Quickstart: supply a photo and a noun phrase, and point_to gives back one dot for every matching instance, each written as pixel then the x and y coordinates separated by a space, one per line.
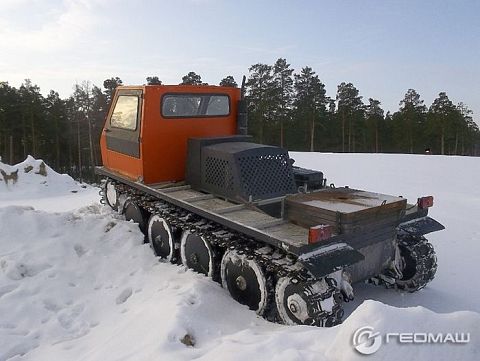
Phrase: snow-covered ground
pixel 77 282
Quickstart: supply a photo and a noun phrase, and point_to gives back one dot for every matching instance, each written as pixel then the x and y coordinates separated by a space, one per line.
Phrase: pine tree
pixel 32 115
pixel 374 118
pixel 228 81
pixel 260 98
pixel 10 123
pixel 443 115
pixel 469 131
pixel 283 94
pixel 351 110
pixel 56 118
pixel 310 101
pixel 410 120
pixel 153 80
pixel 83 100
pixel 192 78
pixel 110 85
pixel 98 114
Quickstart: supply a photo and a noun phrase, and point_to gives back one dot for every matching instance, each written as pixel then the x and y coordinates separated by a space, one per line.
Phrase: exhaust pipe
pixel 242 118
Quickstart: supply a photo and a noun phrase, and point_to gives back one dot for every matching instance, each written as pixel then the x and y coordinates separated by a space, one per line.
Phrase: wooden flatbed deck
pixel 244 218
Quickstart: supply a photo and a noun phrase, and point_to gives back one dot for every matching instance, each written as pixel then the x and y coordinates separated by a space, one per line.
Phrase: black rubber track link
pixel 419 265
pixel 276 263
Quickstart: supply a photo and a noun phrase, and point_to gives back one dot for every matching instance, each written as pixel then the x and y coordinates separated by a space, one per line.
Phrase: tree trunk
pixel 281 132
pixel 11 150
pixel 24 137
pixel 71 139
pixel 349 135
pixel 32 129
pixel 260 129
pixel 376 138
pixel 312 134
pixel 282 116
pixel 5 145
pixel 343 131
pixel 353 141
pixel 410 136
pixel 79 152
pixel 442 143
pixel 90 141
pixel 456 143
pixel 411 142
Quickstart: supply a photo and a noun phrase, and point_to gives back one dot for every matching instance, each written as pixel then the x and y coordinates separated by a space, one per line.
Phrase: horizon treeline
pixel 286 108
pixel 292 109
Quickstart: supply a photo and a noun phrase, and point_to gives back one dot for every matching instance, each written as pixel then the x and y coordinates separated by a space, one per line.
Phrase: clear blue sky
pixel 382 47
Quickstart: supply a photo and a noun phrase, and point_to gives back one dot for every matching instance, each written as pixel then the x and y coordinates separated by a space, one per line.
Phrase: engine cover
pixel 243 171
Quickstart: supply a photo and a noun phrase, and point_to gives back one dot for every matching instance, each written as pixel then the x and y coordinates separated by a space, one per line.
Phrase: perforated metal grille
pixel 266 174
pixel 218 173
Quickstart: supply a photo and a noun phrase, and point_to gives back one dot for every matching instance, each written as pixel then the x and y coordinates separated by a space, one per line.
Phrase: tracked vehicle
pixel 177 160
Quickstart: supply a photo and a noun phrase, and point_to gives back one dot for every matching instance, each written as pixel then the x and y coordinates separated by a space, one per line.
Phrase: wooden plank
pixel 274 223
pixel 352 228
pixel 290 234
pixel 163 185
pixel 199 198
pixel 214 204
pixel 234 208
pixel 249 217
pixel 310 218
pixel 175 189
pixel 185 194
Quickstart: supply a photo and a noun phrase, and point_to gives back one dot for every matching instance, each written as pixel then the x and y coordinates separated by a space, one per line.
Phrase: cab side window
pixel 218 105
pixel 125 113
pixel 181 105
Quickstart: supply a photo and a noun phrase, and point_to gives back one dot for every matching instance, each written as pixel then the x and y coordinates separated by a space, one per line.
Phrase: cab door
pixel 122 129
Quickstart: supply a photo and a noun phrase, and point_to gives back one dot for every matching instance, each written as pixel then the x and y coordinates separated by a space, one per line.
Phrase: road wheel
pixel 245 280
pixel 314 303
pixel 135 213
pixel 197 254
pixel 160 237
pixel 111 195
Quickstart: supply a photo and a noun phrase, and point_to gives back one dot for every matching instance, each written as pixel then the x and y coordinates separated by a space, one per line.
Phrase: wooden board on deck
pixel 248 216
pixel 350 210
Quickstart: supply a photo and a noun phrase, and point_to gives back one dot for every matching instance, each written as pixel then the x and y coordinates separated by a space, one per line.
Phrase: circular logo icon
pixel 366 341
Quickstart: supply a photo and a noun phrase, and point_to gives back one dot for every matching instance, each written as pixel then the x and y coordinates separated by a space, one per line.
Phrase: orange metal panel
pixel 128 166
pixel 163 141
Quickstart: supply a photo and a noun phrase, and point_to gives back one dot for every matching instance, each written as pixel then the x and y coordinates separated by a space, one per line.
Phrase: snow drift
pixel 82 285
pixel 32 182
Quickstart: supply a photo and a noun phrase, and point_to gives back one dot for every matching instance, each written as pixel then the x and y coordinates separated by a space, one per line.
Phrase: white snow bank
pixel 419 320
pixel 34 183
pixel 83 283
pixel 82 286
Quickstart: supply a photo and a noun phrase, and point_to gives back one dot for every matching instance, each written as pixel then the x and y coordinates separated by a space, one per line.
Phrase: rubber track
pixel 426 265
